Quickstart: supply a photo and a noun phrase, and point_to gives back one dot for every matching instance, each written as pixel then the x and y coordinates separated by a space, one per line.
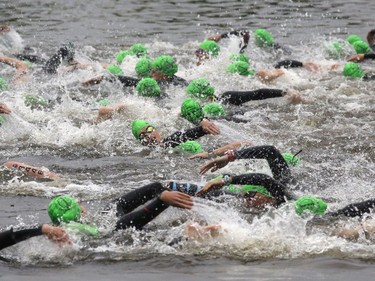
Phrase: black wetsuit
pixel 182 136
pixel 355 209
pixel 276 189
pixel 50 66
pixel 128 81
pixel 10 237
pixel 240 97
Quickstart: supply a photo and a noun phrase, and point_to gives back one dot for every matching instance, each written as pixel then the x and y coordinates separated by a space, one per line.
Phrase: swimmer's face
pixel 149 136
pixel 258 201
pixel 201 56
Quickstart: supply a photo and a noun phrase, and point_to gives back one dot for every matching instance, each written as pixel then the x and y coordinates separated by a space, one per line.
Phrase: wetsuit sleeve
pixel 279 167
pixel 240 97
pixel 368 77
pixel 181 137
pixel 140 218
pixel 135 198
pixel 10 237
pixel 178 81
pixel 369 56
pixel 289 64
pixel 355 209
pixel 277 190
pixel 127 81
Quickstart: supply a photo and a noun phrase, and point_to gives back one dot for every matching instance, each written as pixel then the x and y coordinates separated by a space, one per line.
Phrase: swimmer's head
pixel 139 50
pixel 145 132
pixel 120 56
pixel 352 69
pixel 239 57
pixel 310 204
pixel 34 101
pixel 143 67
pixel 291 159
pixel 192 111
pixel 191 147
pixel 212 110
pixel 335 51
pixel 241 68
pixel 148 87
pixel 115 70
pixel 200 88
pixel 165 65
pixel 263 38
pixel 353 38
pixel 361 47
pixel 210 47
pixel 3 84
pixel 64 209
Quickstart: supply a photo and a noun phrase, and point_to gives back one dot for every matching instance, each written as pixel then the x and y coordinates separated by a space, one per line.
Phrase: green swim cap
pixel 115 70
pixel 139 50
pixel 290 159
pixel 120 56
pixel 213 110
pixel 353 38
pixel 104 102
pixel 210 47
pixel 137 126
pixel 64 209
pixel 165 65
pixel 239 57
pixel 2 120
pixel 311 204
pixel 263 38
pixel 143 67
pixel 256 188
pixel 3 84
pixel 79 228
pixel 31 100
pixel 352 69
pixel 192 111
pixel 241 68
pixel 335 50
pixel 200 88
pixel 191 147
pixel 148 87
pixel 361 47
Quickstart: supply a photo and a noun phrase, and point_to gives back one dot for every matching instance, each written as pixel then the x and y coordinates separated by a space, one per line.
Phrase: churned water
pixel 334 128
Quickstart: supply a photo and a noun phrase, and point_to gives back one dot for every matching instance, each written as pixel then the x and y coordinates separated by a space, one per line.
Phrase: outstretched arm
pixel 20 66
pixel 36 172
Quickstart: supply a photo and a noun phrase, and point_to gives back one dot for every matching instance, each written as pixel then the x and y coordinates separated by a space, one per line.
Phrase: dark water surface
pixel 98 163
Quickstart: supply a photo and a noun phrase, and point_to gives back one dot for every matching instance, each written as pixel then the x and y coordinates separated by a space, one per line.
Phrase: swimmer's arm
pixel 93 81
pixel 35 172
pixel 10 237
pixel 267 76
pixel 361 57
pixel 4 109
pixel 221 150
pixel 20 66
pixel 106 113
pixel 180 137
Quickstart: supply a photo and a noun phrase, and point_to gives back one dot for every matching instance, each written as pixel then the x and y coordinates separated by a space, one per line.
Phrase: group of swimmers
pixel 255 190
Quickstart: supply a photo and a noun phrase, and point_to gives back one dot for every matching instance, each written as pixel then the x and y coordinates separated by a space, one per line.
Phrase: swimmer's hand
pixel 93 81
pixel 293 96
pixel 199 155
pixel 4 109
pixel 211 185
pixel 311 66
pixel 215 37
pixel 214 164
pixel 357 58
pixel 177 199
pixel 56 234
pixel 209 127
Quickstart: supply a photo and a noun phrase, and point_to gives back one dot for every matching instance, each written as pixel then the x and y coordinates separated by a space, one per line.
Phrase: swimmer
pixel 148 135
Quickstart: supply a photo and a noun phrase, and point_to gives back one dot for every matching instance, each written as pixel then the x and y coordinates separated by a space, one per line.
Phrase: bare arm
pixel 221 150
pixel 36 172
pixel 20 66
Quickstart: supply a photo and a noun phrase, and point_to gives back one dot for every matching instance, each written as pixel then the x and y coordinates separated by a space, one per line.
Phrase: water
pixel 100 162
